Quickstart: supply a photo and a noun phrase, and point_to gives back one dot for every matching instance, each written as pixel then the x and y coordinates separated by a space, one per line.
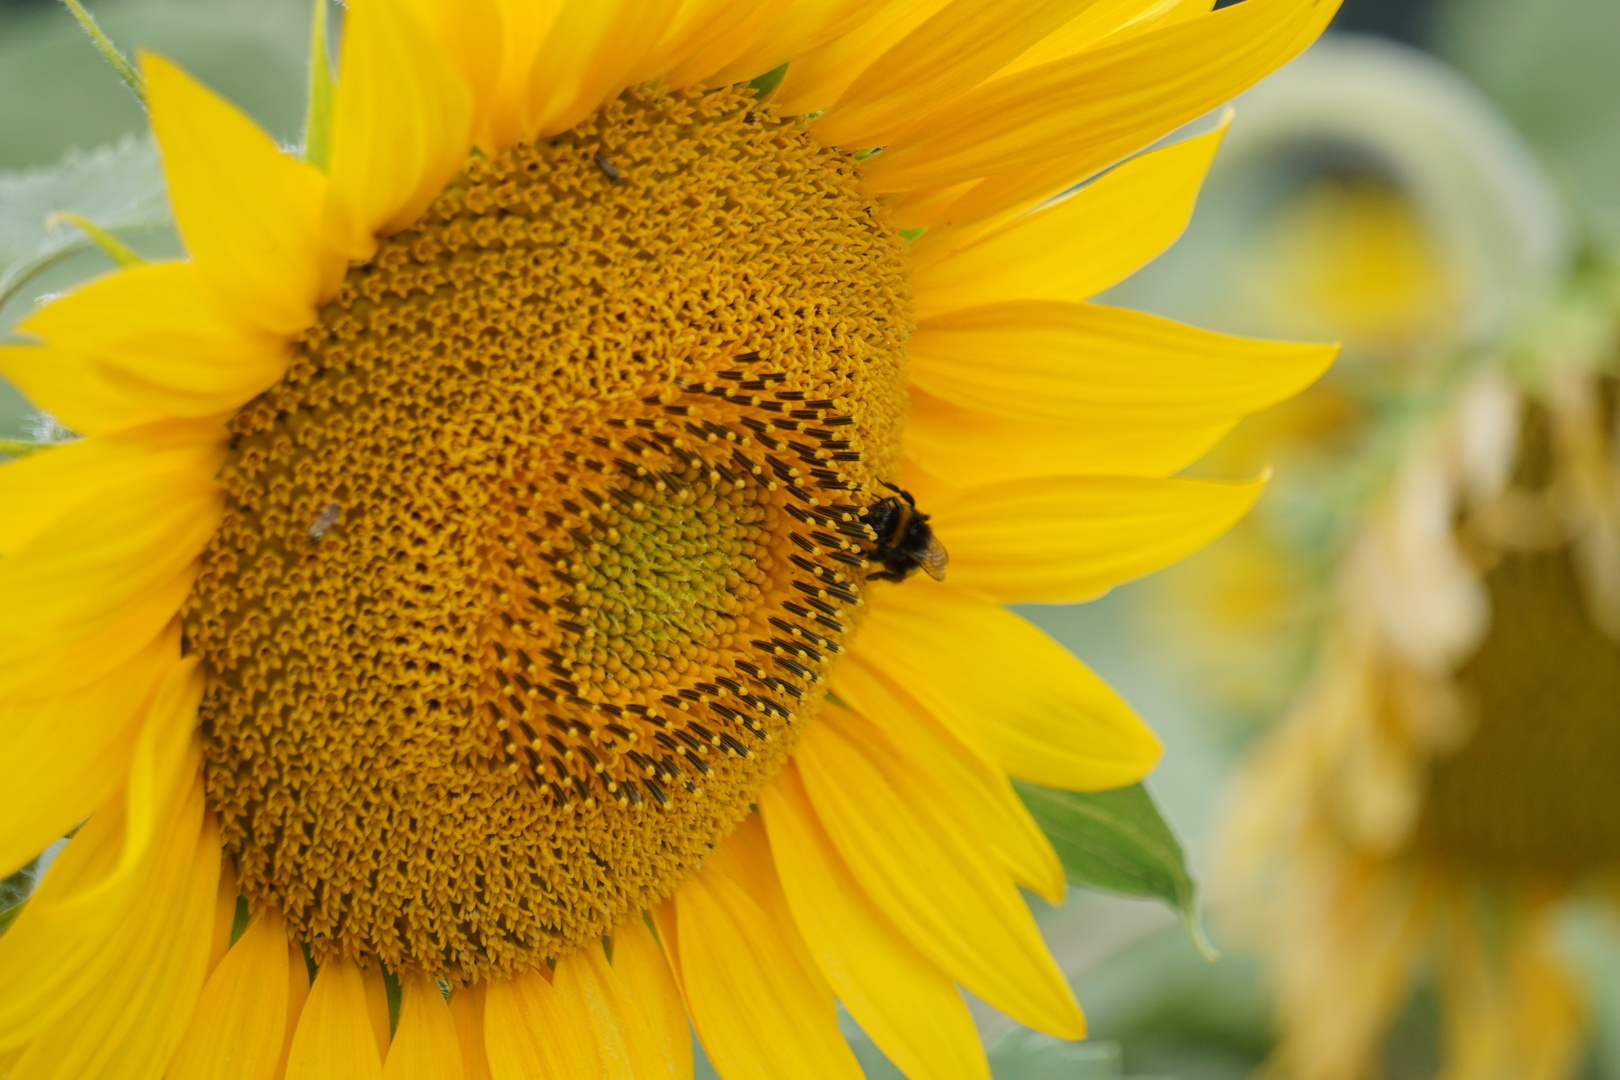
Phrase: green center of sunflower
pixel 1532 790
pixel 534 558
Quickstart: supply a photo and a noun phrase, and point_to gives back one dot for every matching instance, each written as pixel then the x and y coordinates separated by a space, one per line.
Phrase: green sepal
pixel 767 84
pixel 322 93
pixel 239 919
pixel 15 891
pixel 393 993
pixel 1118 841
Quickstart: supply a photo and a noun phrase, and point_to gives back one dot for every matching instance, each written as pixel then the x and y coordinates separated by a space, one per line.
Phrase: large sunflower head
pixel 498 538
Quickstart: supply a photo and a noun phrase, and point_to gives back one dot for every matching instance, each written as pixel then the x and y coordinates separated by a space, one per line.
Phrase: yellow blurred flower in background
pixel 1449 776
pixel 1432 595
pixel 1431 592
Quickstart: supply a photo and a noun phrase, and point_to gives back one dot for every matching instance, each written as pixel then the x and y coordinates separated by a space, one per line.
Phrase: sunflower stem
pixel 318 120
pixel 109 51
pixel 121 253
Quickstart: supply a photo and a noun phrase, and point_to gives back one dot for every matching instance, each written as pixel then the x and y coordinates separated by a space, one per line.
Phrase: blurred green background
pixel 1156 1006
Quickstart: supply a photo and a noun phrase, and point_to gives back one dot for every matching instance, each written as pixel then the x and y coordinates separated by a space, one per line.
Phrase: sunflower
pixel 484 570
pixel 1448 781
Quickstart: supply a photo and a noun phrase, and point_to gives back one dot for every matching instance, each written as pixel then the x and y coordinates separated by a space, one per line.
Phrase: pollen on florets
pixel 533 561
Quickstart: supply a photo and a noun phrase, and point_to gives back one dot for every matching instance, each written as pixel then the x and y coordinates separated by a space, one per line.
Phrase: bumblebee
pixel 905 543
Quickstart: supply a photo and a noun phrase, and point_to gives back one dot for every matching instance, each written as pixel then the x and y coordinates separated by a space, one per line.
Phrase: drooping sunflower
pixel 1448 781
pixel 485 564
pixel 1371 196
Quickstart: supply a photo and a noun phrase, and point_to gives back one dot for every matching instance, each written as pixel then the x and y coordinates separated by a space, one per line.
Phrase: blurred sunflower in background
pixel 1370 196
pixel 1447 780
pixel 482 578
pixel 1430 597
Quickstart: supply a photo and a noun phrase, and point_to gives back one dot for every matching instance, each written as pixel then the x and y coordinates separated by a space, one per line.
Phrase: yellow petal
pixel 1097 22
pixel 961 213
pixel 62 757
pixel 588 55
pixel 805 25
pixel 523 27
pixel 980 668
pixel 73 931
pixel 239 1026
pixel 159 322
pixel 470 33
pixel 1092 365
pixel 95 563
pixel 32 670
pixel 530 1032
pixel 126 1027
pixel 160 332
pixel 691 55
pixel 1106 102
pixel 249 214
pixel 39 490
pixel 909 1007
pixel 78 390
pixel 932 878
pixel 644 971
pixel 1061 540
pixel 377 1007
pixel 629 1035
pixel 297 994
pixel 334 1040
pixel 759 1010
pixel 968 447
pixel 89 907
pixel 401 126
pixel 944 58
pixel 224 915
pixel 467 1009
pixel 962 766
pixel 425 1046
pixel 692 24
pixel 819 77
pixel 1081 246
pixel 669 940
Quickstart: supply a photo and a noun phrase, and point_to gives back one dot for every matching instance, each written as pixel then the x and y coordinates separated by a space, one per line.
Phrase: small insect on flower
pixel 905 543
pixel 324 523
pixel 609 170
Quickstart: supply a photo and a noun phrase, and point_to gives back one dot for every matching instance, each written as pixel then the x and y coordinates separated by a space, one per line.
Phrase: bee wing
pixel 933 559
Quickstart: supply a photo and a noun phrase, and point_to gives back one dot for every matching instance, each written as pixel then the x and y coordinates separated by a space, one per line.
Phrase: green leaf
pixel 118 187
pixel 1117 841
